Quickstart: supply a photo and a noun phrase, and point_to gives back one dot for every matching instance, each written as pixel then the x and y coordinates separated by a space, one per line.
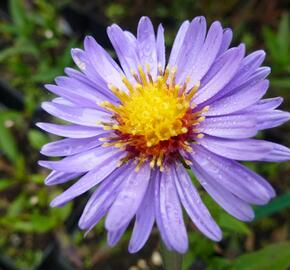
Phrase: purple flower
pixel 134 129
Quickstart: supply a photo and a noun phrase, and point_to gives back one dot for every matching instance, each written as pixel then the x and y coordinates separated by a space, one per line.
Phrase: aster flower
pixel 136 128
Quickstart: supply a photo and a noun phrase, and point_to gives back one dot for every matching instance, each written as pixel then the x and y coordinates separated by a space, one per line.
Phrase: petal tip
pixel 42 163
pixel 53 203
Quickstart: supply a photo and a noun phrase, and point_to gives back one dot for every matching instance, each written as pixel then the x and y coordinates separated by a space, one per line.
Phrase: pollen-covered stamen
pixel 154 119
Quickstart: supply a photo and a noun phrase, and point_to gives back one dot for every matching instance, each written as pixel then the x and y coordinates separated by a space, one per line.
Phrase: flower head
pixel 135 129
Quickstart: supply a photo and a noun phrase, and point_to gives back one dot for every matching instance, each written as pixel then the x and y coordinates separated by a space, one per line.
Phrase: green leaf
pixel 270 41
pixel 7 28
pixel 231 224
pixel 7 141
pixel 283 34
pixel 45 75
pixel 37 178
pixel 61 214
pixel 66 59
pixel 171 260
pixel 35 223
pixel 272 257
pixel 5 183
pixel 274 206
pixel 17 11
pixel 115 11
pixel 16 50
pixel 37 138
pixel 17 206
pixel 217 263
pixel 281 82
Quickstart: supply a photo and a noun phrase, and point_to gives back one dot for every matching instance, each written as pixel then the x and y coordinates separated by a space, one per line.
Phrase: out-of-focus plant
pixel 35 46
pixel 277 43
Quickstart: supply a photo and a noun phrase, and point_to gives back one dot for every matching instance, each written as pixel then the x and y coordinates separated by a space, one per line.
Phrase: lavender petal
pixel 56 177
pixel 221 73
pixel 160 47
pixel 104 196
pixel 129 199
pixel 68 147
pixel 171 212
pixel 95 176
pixel 147 45
pixel 178 41
pixel 239 100
pixel 244 149
pixel 234 177
pixel 193 205
pixel 71 131
pixel 144 219
pixel 232 204
pixel 81 162
pixel 230 126
pixel 226 40
pixel 76 115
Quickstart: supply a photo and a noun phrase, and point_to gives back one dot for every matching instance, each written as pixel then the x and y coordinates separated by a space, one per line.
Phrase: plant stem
pixel 171 260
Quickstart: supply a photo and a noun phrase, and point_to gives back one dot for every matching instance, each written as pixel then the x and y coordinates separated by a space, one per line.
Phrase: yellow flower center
pixel 154 118
pixel 155 112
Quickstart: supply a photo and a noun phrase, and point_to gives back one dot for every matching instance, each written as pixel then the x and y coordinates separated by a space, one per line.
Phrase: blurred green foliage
pixel 35 47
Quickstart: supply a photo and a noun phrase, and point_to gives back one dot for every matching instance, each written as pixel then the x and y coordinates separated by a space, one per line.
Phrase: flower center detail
pixel 154 120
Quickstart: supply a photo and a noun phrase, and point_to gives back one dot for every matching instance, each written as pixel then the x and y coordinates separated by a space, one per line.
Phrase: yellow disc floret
pixel 154 112
pixel 153 118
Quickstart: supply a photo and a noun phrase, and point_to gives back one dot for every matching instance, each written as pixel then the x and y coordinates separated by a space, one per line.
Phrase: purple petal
pixel 171 212
pixel 71 131
pixel 234 177
pixel 82 60
pixel 104 196
pixel 67 147
pixel 239 100
pixel 132 39
pixel 160 47
pixel 103 62
pixel 230 126
pixel 147 45
pixel 99 86
pixel 87 88
pixel 270 119
pixel 75 95
pixel 144 220
pixel 115 236
pixel 178 42
pixel 123 47
pixel 237 84
pixel 248 67
pixel 207 54
pixel 220 74
pixel 63 101
pixel 279 153
pixel 81 162
pixel 245 149
pixel 56 178
pixel 76 115
pixel 129 199
pixel 160 222
pixel 265 104
pixel 190 48
pixel 226 40
pixel 101 170
pixel 193 205
pixel 232 204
